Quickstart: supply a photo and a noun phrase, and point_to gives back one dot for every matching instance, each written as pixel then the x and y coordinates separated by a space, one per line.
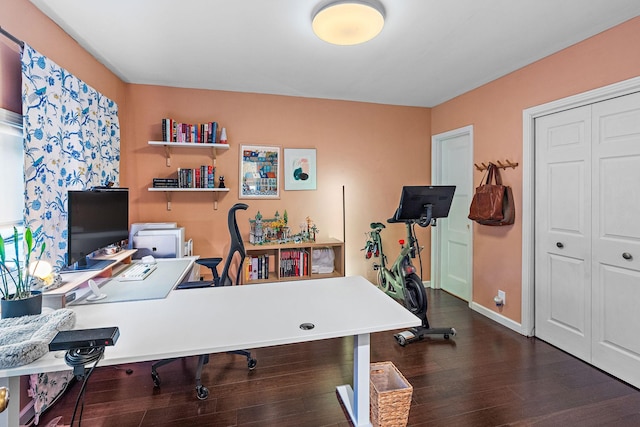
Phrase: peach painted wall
pixel 361 146
pixel 358 145
pixel 27 23
pixel 495 111
pixel 370 149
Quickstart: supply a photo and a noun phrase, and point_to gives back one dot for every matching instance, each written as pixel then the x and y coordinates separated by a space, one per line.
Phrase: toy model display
pixel 418 205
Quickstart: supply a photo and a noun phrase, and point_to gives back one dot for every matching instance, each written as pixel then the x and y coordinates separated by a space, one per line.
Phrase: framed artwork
pixel 300 169
pixel 259 172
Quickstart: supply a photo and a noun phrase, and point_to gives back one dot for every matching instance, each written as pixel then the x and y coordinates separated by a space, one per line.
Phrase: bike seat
pixel 375 225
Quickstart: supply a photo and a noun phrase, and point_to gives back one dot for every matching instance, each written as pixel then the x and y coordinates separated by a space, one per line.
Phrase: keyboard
pixel 137 271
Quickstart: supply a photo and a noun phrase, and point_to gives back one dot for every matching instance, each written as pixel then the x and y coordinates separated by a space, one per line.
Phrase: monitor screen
pixel 414 201
pixel 97 219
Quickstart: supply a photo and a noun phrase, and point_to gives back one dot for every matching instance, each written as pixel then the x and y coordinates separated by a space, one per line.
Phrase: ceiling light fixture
pixel 348 22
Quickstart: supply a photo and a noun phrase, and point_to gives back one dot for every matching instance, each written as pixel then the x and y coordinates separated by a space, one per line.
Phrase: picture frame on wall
pixel 300 171
pixel 259 172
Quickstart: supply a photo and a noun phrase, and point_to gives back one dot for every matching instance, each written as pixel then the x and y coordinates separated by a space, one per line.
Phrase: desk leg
pixel 11 416
pixel 356 400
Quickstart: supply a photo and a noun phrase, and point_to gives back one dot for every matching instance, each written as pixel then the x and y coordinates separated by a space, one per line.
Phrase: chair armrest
pixel 211 263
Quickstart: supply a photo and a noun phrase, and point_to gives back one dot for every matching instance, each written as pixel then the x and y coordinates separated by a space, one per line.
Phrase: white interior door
pixel 616 243
pixel 563 230
pixel 587 256
pixel 452 245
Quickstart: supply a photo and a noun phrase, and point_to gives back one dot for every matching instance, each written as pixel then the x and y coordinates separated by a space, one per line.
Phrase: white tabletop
pixel 211 320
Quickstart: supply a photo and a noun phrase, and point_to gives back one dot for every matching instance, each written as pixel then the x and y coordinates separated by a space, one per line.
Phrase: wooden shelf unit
pixel 276 251
pixel 168 190
pixel 167 148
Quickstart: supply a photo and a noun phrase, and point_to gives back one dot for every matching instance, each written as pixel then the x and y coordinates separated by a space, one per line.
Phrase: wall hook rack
pixel 507 164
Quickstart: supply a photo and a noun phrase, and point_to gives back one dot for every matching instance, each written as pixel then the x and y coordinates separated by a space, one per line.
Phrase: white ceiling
pixel 428 52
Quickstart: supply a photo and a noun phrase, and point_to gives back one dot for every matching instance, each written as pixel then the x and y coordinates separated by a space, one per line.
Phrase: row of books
pixel 202 177
pixel 294 263
pixel 256 267
pixel 173 131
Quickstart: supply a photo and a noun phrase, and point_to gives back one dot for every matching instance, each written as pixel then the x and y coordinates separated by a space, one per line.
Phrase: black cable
pixel 417 247
pixel 77 358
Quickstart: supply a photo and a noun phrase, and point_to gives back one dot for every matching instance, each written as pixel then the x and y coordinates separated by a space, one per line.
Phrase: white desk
pixel 270 314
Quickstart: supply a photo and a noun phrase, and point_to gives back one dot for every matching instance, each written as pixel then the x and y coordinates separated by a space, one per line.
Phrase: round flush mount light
pixel 348 22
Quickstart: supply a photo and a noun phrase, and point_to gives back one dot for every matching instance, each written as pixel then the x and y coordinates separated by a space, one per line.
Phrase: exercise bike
pixel 418 205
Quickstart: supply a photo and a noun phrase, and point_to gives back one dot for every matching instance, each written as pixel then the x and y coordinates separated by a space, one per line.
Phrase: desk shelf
pixel 277 255
pixel 57 298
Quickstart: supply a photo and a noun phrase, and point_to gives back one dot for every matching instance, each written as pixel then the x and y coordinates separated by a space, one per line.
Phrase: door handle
pixel 627 256
pixel 560 245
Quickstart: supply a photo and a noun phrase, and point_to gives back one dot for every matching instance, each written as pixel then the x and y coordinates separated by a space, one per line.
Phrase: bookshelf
pixel 197 145
pixel 283 265
pixel 168 191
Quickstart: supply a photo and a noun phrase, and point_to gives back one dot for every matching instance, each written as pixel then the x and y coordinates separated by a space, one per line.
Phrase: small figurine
pixel 221 179
pixel 223 137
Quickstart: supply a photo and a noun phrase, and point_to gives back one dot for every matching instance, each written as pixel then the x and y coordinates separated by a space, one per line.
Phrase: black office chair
pixel 236 254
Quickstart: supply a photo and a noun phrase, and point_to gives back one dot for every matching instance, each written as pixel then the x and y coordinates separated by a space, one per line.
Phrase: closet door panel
pixel 563 230
pixel 616 237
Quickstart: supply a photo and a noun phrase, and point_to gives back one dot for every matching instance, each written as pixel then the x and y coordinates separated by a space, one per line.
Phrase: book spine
pixel 212 176
pixel 214 132
pixel 164 130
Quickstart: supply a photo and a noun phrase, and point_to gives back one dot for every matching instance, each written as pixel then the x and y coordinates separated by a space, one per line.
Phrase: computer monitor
pixel 97 219
pixel 419 202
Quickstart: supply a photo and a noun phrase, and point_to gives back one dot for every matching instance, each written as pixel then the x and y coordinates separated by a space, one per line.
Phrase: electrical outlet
pixel 503 296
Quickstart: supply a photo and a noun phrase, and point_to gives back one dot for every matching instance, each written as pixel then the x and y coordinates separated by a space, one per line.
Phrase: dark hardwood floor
pixel 487 375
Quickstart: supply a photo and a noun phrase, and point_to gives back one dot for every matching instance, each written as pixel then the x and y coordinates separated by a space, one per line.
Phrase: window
pixel 11 175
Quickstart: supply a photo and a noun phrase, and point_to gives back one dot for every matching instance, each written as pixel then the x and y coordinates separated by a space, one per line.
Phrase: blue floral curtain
pixel 72 142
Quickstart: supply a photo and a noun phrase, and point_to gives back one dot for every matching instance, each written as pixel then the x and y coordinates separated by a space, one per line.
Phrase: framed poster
pixel 300 169
pixel 259 172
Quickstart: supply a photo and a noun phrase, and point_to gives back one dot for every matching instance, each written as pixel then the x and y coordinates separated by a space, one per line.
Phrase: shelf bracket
pixel 215 201
pixel 168 196
pixel 213 157
pixel 167 153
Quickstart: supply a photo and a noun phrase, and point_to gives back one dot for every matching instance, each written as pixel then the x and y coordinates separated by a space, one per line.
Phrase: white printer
pixel 159 239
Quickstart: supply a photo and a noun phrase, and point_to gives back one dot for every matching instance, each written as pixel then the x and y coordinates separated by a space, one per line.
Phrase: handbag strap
pixel 493 174
pixel 490 173
pixel 485 178
pixel 497 176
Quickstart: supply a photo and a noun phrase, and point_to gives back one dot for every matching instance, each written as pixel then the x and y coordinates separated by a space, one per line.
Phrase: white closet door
pixel 455 237
pixel 563 231
pixel 616 237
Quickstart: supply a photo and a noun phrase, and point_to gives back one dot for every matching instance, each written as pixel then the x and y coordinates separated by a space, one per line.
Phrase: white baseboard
pixel 497 317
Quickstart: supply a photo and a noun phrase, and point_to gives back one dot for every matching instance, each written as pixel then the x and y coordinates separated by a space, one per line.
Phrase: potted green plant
pixel 17 297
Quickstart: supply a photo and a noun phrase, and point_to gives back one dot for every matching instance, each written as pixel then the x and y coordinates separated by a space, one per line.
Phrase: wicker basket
pixel 390 395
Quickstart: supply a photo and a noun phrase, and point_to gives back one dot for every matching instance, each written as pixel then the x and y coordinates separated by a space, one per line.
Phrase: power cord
pixel 78 358
pixel 417 247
